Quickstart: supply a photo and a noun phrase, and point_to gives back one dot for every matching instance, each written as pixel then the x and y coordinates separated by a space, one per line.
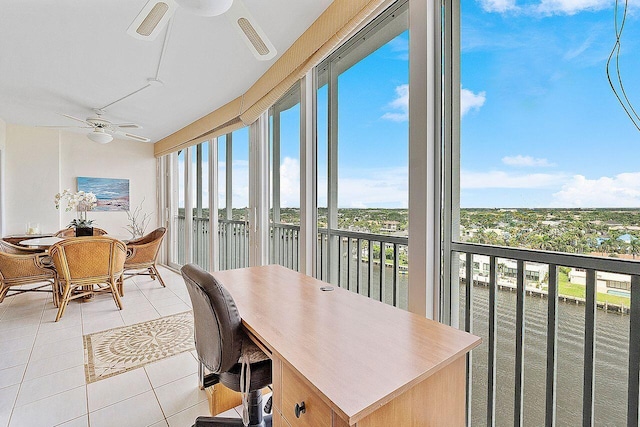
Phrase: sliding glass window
pixel 177 206
pixel 200 211
pixel 362 105
pixel 233 167
pixel 285 180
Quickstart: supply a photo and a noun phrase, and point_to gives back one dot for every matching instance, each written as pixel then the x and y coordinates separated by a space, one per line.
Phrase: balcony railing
pixel 285 247
pixel 356 269
pixel 234 244
pixel 369 264
pixel 544 361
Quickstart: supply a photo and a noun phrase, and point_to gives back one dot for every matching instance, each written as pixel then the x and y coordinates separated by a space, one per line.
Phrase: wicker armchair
pixel 71 232
pixel 93 263
pixel 10 248
pixel 142 254
pixel 22 266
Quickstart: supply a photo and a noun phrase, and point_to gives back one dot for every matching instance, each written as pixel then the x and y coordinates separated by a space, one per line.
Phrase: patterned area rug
pixel 119 350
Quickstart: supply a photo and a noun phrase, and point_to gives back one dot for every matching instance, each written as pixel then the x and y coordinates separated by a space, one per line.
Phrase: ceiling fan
pixel 156 13
pixel 104 130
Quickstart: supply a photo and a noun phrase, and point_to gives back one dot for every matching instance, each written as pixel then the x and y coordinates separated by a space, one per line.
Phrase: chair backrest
pixel 9 248
pixel 14 267
pixel 86 258
pixel 148 245
pixel 155 236
pixel 71 232
pixel 217 326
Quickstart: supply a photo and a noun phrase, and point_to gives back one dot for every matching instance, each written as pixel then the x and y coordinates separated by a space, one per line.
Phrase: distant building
pixel 606 283
pixel 507 271
pixel 389 226
pixel 627 238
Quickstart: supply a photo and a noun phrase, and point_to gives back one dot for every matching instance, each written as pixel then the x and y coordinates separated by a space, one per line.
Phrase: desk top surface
pixel 356 352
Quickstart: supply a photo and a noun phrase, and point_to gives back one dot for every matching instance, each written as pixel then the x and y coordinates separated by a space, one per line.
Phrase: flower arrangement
pixel 81 201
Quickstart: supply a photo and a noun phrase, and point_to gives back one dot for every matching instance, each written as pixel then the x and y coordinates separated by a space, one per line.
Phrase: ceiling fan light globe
pixel 100 136
pixel 206 7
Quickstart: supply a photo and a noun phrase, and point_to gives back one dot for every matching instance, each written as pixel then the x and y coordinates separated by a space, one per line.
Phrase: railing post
pixel 633 414
pixel 468 325
pixel 519 377
pixel 589 349
pixel 492 343
pixel 552 351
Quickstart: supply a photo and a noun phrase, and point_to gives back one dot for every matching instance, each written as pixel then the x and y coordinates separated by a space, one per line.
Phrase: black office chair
pixel 223 346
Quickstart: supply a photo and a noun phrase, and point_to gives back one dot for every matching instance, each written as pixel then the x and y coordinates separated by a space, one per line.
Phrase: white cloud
pixel 569 7
pixel 369 188
pixel 623 190
pixel 501 179
pixel 574 53
pixel 500 6
pixel 470 101
pixel 400 45
pixel 290 183
pixel 400 104
pixel 527 161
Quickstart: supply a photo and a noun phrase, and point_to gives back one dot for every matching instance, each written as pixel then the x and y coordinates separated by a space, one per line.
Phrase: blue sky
pixel 540 124
pixel 545 129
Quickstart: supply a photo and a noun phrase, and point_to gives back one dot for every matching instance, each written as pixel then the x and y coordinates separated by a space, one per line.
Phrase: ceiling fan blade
pixel 248 28
pixel 132 136
pixel 127 125
pixel 67 127
pixel 152 19
pixel 80 120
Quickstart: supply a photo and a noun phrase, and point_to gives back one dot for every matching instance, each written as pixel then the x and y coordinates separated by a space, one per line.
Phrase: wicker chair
pixel 10 248
pixel 71 232
pixel 23 266
pixel 142 254
pixel 88 263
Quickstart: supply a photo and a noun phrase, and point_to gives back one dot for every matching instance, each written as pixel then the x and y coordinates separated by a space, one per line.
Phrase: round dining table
pixel 40 242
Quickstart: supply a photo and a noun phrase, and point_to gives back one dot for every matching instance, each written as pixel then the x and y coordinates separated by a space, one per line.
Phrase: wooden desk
pixel 352 360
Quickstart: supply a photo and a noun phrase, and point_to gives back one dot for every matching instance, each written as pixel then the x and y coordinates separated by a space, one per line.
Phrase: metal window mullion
pixel 518 404
pixel 188 205
pixel 552 350
pixel 214 236
pixel 633 394
pixel 492 343
pixel 589 349
pixel 349 261
pixel 228 159
pixel 383 263
pixel 396 272
pixel 359 266
pixel 332 175
pixel 370 271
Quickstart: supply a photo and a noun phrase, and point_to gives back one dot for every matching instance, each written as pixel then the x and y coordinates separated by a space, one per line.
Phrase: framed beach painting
pixel 112 193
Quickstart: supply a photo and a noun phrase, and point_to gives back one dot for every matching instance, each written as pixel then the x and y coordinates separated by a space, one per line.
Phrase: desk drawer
pixel 295 392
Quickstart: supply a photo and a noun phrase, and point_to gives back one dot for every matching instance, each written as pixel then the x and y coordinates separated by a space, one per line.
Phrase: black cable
pixel 616 51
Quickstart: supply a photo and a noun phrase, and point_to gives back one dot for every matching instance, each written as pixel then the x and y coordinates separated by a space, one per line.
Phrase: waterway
pixel 611 363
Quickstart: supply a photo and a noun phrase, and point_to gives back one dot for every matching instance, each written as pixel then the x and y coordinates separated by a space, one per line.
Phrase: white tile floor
pixel 42 380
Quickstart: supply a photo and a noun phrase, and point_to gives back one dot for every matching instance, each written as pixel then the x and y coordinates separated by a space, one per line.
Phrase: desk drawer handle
pixel 300 409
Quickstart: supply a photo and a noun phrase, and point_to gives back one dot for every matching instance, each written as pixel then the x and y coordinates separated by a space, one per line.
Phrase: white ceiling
pixel 69 56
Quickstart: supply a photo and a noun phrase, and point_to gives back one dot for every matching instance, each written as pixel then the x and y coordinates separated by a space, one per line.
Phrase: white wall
pixel 3 139
pixel 41 162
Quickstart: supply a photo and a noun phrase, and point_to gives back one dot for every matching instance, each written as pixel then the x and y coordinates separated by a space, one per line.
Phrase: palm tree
pixel 634 247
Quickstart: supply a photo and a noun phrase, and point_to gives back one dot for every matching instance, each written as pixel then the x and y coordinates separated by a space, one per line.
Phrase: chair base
pixel 257 418
pixel 229 422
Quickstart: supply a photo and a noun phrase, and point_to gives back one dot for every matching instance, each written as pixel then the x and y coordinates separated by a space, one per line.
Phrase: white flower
pixel 80 200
